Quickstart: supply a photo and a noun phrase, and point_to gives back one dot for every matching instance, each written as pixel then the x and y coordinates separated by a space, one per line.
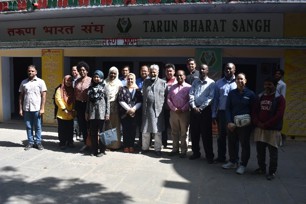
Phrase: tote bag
pixel 109 136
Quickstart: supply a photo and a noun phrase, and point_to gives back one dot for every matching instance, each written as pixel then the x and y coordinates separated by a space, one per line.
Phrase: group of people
pixel 189 104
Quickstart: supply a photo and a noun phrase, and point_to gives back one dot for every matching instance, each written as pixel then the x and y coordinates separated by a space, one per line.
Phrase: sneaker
pixel 259 171
pixel 28 147
pixel 229 165
pixel 40 147
pixel 240 170
pixel 270 176
pixel 195 156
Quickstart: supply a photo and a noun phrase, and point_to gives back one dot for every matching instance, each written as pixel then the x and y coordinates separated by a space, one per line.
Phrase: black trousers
pixel 239 135
pixel 261 156
pixel 222 135
pixel 80 107
pixel 95 126
pixel 201 126
pixel 167 125
pixel 65 131
pixel 129 126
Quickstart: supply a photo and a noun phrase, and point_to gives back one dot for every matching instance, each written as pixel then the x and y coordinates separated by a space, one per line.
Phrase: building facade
pixel 258 37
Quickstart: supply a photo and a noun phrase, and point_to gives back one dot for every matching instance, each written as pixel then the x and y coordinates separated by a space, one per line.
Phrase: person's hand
pixel 214 120
pixel 41 112
pixel 178 111
pixel 106 117
pixel 86 116
pixel 197 110
pixel 21 113
pixel 260 125
pixel 231 126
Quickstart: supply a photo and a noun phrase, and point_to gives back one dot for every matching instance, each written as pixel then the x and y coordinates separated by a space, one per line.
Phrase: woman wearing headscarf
pixel 130 100
pixel 64 99
pixel 97 111
pixel 112 85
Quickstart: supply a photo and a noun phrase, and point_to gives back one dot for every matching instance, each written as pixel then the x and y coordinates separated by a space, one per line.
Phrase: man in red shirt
pixel 267 116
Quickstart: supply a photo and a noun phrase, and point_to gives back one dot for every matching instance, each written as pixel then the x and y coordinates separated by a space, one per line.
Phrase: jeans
pixel 33 122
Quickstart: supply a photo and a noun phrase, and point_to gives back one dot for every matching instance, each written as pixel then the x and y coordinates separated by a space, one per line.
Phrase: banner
pixel 52 73
pixel 211 57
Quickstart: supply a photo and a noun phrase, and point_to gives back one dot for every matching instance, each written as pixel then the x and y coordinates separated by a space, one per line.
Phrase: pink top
pixel 81 87
pixel 178 97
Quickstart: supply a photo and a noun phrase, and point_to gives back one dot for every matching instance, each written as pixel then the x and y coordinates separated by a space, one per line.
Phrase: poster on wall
pixel 211 57
pixel 295 72
pixel 52 73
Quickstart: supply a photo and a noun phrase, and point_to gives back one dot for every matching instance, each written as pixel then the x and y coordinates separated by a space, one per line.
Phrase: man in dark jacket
pixel 268 116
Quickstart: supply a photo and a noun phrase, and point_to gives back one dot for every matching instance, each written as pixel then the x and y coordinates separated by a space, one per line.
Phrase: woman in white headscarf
pixel 112 85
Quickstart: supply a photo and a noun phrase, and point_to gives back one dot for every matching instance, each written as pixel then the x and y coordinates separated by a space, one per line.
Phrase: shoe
pixel 173 153
pixel 131 150
pixel 99 154
pixel 40 147
pixel 229 165
pixel 70 145
pixel 126 150
pixel 28 147
pixel 158 153
pixel 62 147
pixel 195 156
pixel 240 170
pixel 210 161
pixel 183 155
pixel 259 171
pixel 219 161
pixel 83 148
pixel 270 176
pixel 144 152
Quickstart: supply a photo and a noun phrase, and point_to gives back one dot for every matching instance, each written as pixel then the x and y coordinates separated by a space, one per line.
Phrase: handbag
pixel 108 136
pixel 242 120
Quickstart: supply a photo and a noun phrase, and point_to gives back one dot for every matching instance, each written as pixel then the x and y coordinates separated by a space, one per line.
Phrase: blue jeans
pixel 33 120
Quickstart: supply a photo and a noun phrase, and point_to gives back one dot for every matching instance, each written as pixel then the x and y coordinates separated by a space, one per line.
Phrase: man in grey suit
pixel 154 90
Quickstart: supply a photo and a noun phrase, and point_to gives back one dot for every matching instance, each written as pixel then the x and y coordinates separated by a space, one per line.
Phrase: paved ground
pixel 54 176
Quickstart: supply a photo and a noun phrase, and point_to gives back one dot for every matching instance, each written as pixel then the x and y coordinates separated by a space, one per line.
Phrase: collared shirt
pixel 192 76
pixel 32 91
pixel 139 82
pixel 201 93
pixel 281 88
pixel 81 88
pixel 178 97
pixel 222 88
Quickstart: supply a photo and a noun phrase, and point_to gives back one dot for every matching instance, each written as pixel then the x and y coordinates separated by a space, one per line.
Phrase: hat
pixel 99 73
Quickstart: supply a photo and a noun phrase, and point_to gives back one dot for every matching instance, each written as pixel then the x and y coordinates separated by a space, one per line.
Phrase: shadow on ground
pixel 54 190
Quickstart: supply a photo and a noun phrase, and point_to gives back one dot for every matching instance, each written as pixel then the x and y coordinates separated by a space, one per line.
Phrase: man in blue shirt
pixel 144 74
pixel 124 73
pixel 239 104
pixel 201 95
pixel 222 88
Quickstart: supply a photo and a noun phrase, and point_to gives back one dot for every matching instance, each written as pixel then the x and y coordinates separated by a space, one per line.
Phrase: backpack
pixel 54 103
